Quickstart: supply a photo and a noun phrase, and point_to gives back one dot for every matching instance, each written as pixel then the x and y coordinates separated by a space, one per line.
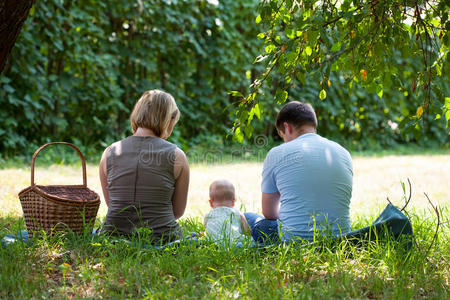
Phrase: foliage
pixel 360 120
pixel 82 266
pixel 388 47
pixel 79 66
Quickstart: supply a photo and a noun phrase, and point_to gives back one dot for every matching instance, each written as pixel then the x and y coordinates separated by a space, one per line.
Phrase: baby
pixel 224 222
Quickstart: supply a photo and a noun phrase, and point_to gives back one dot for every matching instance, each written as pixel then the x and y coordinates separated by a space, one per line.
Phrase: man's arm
pixel 271 205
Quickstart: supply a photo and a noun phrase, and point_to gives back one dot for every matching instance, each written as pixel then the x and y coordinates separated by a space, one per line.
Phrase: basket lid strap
pixel 83 162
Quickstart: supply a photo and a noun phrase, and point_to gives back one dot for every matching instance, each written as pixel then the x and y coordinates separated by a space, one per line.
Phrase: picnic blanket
pixel 22 236
pixel 391 223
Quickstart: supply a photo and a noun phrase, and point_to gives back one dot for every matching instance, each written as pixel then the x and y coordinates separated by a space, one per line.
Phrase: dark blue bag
pixel 391 222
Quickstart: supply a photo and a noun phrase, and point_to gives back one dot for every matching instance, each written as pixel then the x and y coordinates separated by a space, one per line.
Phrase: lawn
pixel 80 266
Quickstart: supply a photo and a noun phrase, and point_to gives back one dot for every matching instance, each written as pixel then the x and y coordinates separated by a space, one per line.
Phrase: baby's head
pixel 221 193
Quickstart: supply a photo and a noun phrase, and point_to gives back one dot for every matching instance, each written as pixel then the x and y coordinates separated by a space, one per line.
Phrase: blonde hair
pixel 154 110
pixel 221 190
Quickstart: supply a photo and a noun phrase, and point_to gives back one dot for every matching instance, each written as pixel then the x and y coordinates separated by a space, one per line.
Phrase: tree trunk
pixel 12 16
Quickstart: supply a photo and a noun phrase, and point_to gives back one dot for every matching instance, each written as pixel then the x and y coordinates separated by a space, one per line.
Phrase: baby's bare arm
pixel 245 228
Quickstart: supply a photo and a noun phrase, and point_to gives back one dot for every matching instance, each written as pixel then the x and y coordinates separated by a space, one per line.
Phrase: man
pixel 306 182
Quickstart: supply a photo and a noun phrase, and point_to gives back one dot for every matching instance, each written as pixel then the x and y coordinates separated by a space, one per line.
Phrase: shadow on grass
pixel 86 266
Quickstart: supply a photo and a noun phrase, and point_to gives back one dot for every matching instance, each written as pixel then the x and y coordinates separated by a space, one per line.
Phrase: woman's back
pixel 141 183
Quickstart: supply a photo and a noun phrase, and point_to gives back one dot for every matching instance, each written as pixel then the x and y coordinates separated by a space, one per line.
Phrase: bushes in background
pixel 79 66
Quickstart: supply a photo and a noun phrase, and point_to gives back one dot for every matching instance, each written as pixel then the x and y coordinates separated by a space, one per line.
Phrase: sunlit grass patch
pixel 82 266
pixel 85 266
pixel 375 179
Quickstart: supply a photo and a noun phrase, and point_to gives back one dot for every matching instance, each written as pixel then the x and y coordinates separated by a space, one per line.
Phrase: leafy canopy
pixel 78 68
pixel 369 43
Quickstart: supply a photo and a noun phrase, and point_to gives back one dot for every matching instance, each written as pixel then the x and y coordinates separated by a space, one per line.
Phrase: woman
pixel 144 178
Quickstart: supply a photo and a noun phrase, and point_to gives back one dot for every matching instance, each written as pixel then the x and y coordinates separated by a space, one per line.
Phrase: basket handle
pixel 83 162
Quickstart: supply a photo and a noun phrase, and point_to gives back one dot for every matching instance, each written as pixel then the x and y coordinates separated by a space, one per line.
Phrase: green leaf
pixel 380 91
pixel 257 110
pixel 270 48
pixel 281 96
pixel 258 19
pixel 290 57
pixel 308 50
pixel 447 114
pixel 248 131
pixel 235 94
pixel 446 39
pixel 322 95
pixel 417 132
pixel 312 36
pixel 238 135
pixel 58 44
pixel 336 47
pixel 243 116
pixel 300 77
pixel 8 88
pixel 5 79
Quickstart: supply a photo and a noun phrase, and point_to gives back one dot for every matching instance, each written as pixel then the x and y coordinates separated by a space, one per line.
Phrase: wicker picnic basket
pixel 59 207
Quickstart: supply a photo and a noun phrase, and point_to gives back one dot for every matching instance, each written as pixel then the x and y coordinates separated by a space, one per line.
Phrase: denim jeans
pixel 264 231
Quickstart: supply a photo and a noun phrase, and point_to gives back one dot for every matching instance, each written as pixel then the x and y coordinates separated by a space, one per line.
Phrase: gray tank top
pixel 140 184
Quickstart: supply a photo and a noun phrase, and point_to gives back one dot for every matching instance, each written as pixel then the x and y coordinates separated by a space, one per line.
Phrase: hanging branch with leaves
pixel 307 40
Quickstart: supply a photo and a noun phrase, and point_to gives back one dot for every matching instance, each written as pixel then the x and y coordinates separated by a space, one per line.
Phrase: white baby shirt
pixel 224 224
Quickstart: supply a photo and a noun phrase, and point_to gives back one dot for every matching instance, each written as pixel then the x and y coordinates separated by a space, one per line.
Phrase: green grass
pixel 401 150
pixel 83 266
pixel 69 266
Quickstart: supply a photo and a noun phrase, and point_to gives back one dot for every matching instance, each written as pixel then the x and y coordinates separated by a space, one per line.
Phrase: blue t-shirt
pixel 314 178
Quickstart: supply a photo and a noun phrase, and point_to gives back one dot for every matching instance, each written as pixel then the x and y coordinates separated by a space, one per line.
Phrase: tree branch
pixel 12 16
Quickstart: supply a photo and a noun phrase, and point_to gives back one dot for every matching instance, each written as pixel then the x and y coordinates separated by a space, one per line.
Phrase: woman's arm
pixel 103 178
pixel 181 174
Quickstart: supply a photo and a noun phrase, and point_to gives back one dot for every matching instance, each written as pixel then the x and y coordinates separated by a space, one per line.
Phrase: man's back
pixel 314 178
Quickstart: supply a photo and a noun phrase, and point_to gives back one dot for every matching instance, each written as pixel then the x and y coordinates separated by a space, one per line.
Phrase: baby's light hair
pixel 221 190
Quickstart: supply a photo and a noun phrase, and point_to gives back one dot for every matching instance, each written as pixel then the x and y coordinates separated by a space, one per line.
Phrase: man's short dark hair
pixel 297 114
